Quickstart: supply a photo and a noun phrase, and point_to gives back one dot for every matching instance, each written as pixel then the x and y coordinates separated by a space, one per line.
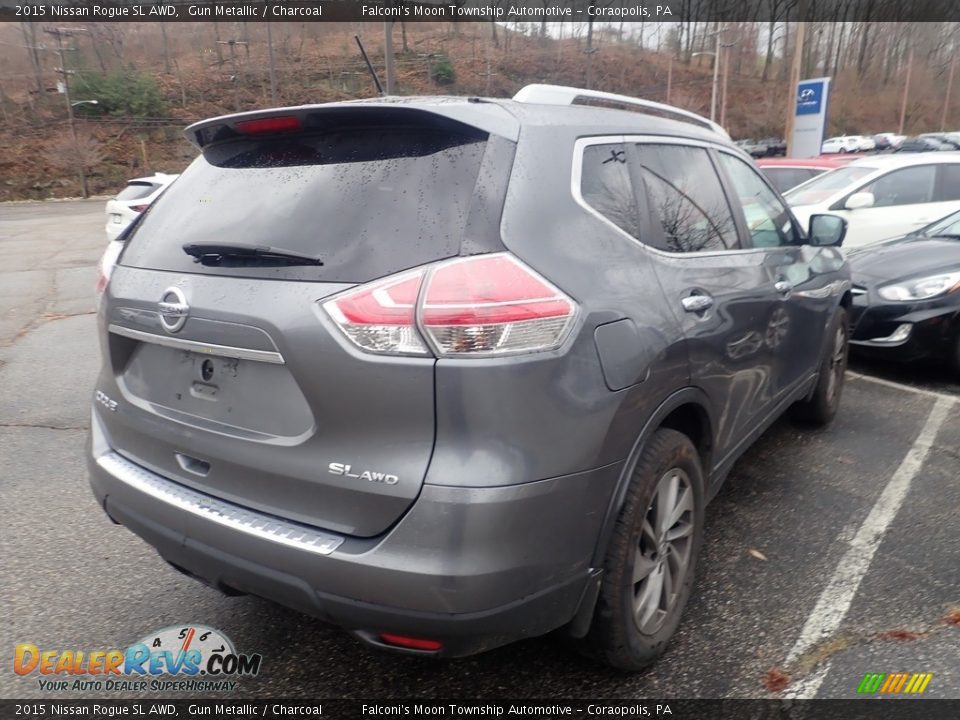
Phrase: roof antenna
pixel 376 80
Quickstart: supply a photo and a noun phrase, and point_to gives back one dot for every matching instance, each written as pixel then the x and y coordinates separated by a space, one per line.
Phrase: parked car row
pixel 931 142
pixel 767 147
pixel 848 144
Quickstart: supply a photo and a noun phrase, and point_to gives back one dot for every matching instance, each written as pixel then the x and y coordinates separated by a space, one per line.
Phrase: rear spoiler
pixel 475 113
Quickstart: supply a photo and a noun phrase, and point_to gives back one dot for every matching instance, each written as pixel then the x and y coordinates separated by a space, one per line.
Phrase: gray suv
pixel 452 372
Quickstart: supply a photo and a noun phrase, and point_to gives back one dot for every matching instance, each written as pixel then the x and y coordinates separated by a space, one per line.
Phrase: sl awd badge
pixel 370 475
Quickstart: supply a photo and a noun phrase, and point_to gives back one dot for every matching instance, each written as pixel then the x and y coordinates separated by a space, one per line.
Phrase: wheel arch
pixel 686 411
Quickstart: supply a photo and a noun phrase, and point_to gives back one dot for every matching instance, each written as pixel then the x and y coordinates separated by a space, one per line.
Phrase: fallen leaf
pixel 776 680
pixel 757 554
pixel 900 634
pixel 952 617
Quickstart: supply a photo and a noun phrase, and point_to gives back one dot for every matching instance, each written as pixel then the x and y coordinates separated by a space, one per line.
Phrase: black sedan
pixel 906 295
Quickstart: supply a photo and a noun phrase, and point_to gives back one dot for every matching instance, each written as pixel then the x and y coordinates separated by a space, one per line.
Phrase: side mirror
pixel 827 230
pixel 859 200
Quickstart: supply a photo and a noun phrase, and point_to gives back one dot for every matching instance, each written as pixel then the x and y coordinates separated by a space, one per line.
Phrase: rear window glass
pixel 135 191
pixel 368 202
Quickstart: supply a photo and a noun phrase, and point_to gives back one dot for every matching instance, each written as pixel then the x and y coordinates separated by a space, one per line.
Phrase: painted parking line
pixel 837 596
pixel 899 386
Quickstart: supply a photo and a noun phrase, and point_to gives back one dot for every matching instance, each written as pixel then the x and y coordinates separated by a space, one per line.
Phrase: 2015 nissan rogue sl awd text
pixel 452 372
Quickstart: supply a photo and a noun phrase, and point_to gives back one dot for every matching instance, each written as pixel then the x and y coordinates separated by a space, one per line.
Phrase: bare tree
pixel 81 154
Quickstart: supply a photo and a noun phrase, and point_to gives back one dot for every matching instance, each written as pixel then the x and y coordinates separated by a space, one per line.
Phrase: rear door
pixel 233 379
pixel 723 294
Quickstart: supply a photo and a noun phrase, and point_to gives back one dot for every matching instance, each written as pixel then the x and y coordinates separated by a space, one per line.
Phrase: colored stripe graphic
pixel 894 683
pixel 871 683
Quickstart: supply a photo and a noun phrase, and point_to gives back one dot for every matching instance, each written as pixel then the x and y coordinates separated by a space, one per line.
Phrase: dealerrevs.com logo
pixel 190 658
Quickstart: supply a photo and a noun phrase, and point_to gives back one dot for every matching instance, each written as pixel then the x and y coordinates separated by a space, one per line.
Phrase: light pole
pixel 716 69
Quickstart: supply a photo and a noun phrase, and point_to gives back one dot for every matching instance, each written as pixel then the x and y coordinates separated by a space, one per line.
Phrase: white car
pixel 866 143
pixel 133 200
pixel 842 144
pixel 884 195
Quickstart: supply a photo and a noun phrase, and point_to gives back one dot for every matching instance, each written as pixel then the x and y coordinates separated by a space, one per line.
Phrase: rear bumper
pixel 473 568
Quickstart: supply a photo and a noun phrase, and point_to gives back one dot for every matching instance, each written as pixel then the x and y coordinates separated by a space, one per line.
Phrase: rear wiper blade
pixel 212 253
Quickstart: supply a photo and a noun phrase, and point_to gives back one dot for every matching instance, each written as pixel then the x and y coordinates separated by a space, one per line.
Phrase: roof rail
pixel 563 95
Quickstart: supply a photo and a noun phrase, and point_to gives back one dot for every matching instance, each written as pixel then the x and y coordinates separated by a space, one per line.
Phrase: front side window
pixel 685 194
pixel 605 186
pixel 768 220
pixel 907 186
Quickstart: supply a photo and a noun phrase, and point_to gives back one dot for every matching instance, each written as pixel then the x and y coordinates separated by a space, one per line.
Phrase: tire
pixel 641 602
pixel 821 407
pixel 955 354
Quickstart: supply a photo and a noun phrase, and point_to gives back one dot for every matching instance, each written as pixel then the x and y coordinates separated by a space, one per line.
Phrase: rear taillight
pixel 470 307
pixel 105 267
pixel 379 317
pixel 139 208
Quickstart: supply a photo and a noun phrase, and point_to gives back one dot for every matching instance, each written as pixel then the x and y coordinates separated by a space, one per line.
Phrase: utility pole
pixel 946 99
pixel 273 73
pixel 388 52
pixel 794 81
pixel 590 53
pixel 726 71
pixel 669 76
pixel 236 68
pixel 906 93
pixel 61 33
pixel 716 68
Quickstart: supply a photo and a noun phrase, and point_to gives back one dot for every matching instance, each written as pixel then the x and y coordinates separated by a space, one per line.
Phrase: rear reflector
pixel 282 123
pixel 411 643
pixel 469 307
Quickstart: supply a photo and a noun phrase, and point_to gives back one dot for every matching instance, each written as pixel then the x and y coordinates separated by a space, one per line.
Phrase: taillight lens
pixel 379 317
pixel 471 307
pixel 493 305
pixel 139 208
pixel 105 267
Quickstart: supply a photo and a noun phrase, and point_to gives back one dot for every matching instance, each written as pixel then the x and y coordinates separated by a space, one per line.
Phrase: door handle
pixel 783 287
pixel 697 303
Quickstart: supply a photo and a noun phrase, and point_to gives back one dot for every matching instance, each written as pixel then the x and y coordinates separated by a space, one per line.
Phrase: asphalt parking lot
pixel 829 554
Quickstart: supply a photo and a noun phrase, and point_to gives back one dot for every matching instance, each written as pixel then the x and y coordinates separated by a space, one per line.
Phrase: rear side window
pixel 907 186
pixel 135 191
pixel 367 201
pixel 685 194
pixel 949 183
pixel 606 187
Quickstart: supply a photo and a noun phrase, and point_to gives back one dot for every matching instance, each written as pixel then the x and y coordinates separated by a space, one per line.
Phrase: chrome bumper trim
pixel 264 527
pixel 267 356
